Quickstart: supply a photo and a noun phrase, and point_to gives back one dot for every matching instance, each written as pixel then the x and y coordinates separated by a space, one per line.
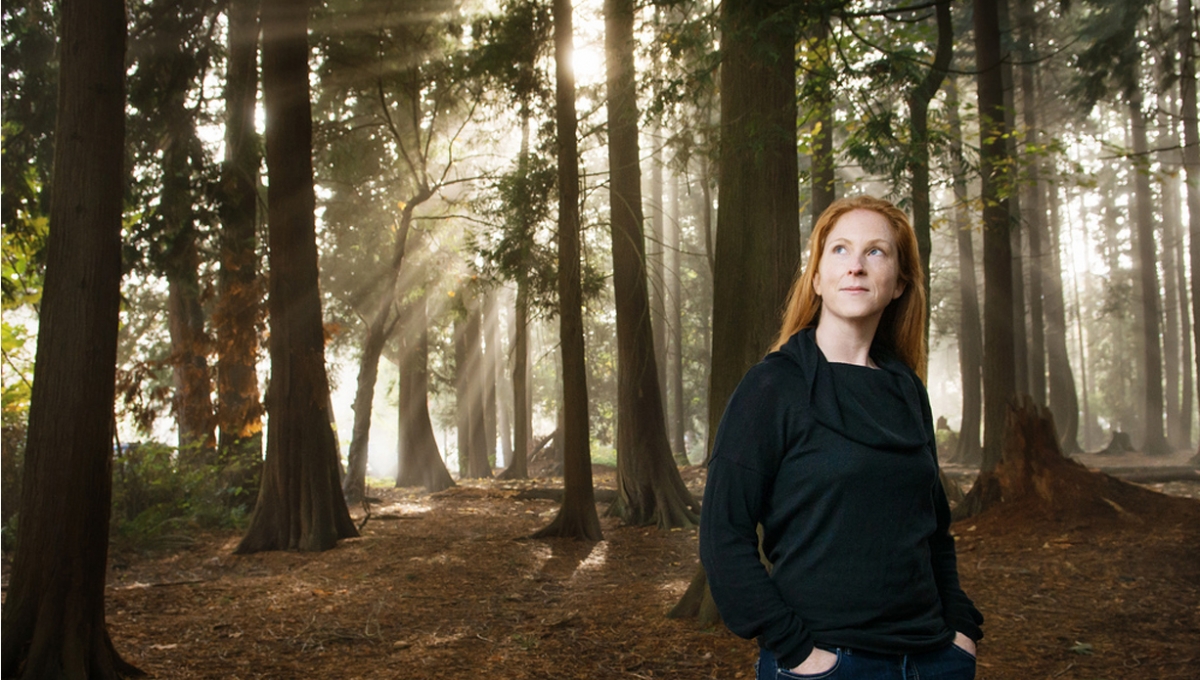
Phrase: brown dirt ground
pixel 442 585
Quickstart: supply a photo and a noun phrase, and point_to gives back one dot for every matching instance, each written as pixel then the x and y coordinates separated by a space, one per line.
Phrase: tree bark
pixel 1174 363
pixel 757 246
pixel 469 391
pixel 650 488
pixel 238 308
pixel 1009 186
pixel 1145 261
pixel 300 505
pixel 999 377
pixel 518 467
pixel 577 516
pixel 420 461
pixel 379 329
pixel 1191 161
pixel 53 623
pixel 824 176
pixel 918 155
pixel 1034 210
pixel 758 237
pixel 970 335
pixel 678 409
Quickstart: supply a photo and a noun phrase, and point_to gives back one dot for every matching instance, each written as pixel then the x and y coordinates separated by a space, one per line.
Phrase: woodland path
pixel 443 585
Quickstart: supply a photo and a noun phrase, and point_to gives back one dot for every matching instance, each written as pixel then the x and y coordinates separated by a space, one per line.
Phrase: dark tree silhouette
pixel 999 377
pixel 420 462
pixel 970 333
pixel 239 303
pixel 300 505
pixel 577 516
pixel 54 623
pixel 650 490
pixel 757 247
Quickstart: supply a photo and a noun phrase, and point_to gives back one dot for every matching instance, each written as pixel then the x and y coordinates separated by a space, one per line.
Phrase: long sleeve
pixel 957 609
pixel 751 440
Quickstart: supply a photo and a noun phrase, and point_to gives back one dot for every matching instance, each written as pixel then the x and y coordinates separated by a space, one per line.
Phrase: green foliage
pixel 519 248
pixel 154 496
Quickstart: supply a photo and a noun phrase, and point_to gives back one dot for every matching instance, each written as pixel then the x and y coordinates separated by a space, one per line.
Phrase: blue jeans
pixel 948 663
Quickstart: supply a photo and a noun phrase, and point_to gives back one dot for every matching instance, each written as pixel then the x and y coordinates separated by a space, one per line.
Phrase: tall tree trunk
pixel 379 329
pixel 238 308
pixel 1146 260
pixel 420 462
pixel 1087 426
pixel 1016 231
pixel 970 334
pixel 53 623
pixel 518 467
pixel 674 242
pixel 1064 401
pixel 758 204
pixel 489 359
pixel 999 377
pixel 469 390
pixel 655 258
pixel 650 490
pixel 189 347
pixel 504 426
pixel 192 399
pixel 1174 363
pixel 824 187
pixel 300 505
pixel 1191 160
pixel 577 516
pixel 758 235
pixel 1032 192
pixel 918 155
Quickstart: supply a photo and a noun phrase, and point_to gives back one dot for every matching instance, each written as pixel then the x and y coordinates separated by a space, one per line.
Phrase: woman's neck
pixel 846 343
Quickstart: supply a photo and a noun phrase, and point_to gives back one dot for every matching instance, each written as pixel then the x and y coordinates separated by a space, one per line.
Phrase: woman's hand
pixel 818 661
pixel 964 643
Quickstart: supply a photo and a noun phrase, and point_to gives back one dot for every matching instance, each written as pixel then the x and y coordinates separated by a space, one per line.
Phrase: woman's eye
pixel 876 251
pixel 839 249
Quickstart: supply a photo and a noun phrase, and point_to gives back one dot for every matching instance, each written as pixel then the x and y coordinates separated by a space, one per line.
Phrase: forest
pixel 389 338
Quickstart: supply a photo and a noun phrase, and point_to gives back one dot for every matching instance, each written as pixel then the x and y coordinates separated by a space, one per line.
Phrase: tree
pixel 239 300
pixel 172 52
pixel 970 334
pixel 818 86
pixel 300 505
pixel 758 236
pixel 53 623
pixel 1191 157
pixel 999 379
pixel 468 388
pixel 649 487
pixel 420 462
pixel 918 156
pixel 576 516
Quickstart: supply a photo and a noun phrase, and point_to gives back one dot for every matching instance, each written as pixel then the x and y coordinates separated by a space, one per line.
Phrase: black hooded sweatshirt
pixel 838 464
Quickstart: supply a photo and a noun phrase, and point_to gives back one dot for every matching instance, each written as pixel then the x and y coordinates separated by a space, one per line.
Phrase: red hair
pixel 901 330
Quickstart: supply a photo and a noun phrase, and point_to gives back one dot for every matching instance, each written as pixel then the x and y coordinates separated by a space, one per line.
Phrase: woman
pixel 828 445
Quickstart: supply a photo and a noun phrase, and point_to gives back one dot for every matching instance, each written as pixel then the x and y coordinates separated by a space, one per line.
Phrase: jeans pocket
pixel 823 675
pixel 962 652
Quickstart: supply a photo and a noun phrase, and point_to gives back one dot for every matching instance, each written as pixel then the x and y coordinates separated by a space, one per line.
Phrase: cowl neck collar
pixel 879 408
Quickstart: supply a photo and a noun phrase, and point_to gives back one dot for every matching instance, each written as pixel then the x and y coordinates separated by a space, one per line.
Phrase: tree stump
pixel 1120 443
pixel 1034 475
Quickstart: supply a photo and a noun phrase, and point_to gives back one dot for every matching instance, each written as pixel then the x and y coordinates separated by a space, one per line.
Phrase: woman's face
pixel 859 272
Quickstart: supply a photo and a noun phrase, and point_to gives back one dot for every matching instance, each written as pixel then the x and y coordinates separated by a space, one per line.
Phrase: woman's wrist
pixel 964 643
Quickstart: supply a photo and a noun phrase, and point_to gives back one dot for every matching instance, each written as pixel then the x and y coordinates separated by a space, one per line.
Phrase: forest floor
pixel 446 584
